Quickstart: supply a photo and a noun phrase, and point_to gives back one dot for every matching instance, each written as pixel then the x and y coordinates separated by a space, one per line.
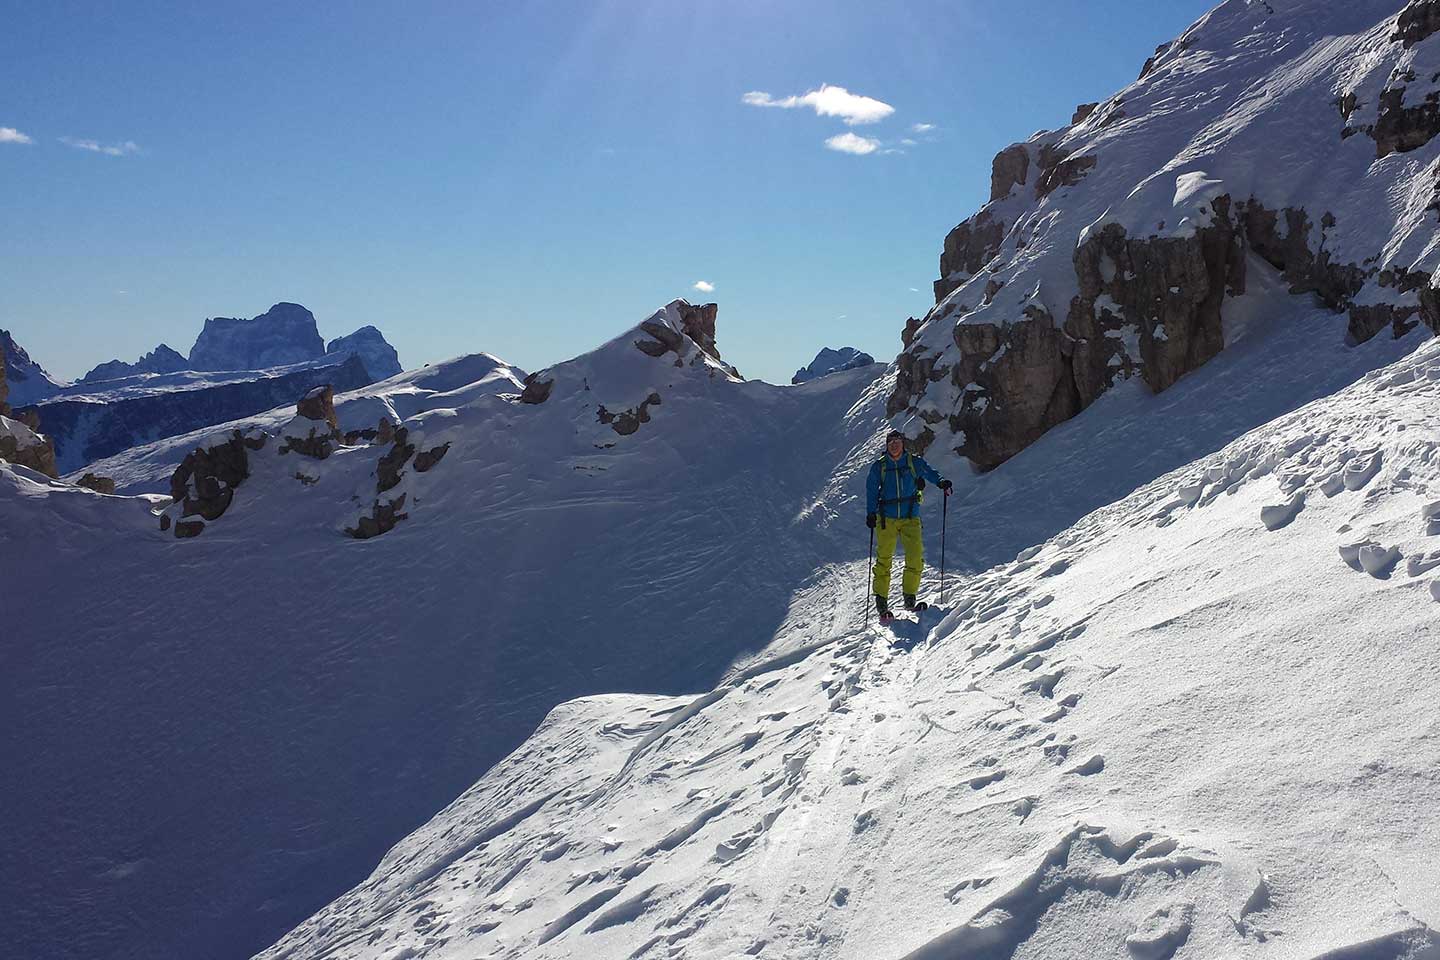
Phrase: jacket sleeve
pixel 872 490
pixel 927 471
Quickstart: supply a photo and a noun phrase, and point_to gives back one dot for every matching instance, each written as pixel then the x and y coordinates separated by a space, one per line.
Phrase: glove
pixel 870 520
pixel 945 485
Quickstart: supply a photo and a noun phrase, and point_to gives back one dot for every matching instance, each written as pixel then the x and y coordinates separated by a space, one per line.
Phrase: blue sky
pixel 525 179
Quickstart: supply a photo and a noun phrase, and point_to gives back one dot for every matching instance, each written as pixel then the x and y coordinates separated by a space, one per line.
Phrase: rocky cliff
pixel 1292 137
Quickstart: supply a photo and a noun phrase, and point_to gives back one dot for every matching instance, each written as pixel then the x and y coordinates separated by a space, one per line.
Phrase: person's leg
pixel 885 542
pixel 909 530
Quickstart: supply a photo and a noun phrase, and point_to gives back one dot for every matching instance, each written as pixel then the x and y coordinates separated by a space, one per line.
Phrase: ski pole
pixel 869 553
pixel 944 522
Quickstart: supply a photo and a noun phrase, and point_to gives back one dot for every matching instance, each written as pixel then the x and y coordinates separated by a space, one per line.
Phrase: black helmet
pixel 894 435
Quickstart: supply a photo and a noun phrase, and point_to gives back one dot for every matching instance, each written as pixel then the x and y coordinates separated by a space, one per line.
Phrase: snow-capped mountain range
pixel 578 662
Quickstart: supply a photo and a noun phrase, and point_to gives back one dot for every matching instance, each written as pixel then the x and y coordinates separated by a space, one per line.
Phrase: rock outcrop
pixel 829 361
pixel 203 486
pixel 370 346
pixel 1083 271
pixel 160 360
pixel 314 431
pixel 93 481
pixel 282 335
pixel 22 445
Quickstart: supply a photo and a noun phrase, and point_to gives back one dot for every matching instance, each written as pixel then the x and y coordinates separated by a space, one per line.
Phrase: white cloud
pixel 849 143
pixel 828 101
pixel 110 150
pixel 921 127
pixel 704 286
pixel 11 135
pixel 914 289
pixel 907 142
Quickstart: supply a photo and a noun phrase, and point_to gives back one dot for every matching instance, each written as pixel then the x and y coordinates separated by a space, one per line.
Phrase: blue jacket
pixel 893 481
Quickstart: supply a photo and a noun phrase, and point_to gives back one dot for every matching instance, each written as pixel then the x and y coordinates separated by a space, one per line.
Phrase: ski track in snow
pixel 1105 748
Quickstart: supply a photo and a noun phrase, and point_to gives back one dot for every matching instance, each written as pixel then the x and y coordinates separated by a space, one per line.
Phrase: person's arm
pixel 930 473
pixel 872 490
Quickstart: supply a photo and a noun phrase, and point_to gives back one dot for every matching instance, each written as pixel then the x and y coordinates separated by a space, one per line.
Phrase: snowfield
pixel 1183 727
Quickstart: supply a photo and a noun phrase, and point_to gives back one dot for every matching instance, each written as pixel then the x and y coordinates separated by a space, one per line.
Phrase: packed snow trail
pixel 1169 731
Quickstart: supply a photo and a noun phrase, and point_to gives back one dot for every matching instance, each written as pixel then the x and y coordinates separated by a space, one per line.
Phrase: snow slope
pixel 213 738
pixel 1196 724
pixel 206 740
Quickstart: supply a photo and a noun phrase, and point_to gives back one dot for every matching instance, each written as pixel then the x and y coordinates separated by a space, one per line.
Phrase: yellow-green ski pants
pixel 908 531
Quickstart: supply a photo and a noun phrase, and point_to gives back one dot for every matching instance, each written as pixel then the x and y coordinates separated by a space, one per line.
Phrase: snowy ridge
pixel 1184 727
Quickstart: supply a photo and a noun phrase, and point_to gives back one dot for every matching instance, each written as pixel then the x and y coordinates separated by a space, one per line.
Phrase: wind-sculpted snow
pixel 1171 730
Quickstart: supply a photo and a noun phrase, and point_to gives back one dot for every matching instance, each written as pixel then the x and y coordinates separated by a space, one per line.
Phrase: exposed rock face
pixel 1419 20
pixel 829 361
pixel 1083 112
pixel 160 360
pixel 387 470
pixel 1011 167
pixel 383 518
pixel 1430 304
pixel 1058 169
pixel 627 422
pixel 1149 66
pixel 19 443
pixel 99 484
pixel 203 486
pixel 86 431
pixel 282 335
pixel 538 390
pixel 698 322
pixel 1403 127
pixel 28 381
pixel 968 248
pixel 314 432
pixel 370 346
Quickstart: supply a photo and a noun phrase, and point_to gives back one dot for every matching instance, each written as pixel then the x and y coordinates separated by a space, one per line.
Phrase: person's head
pixel 895 444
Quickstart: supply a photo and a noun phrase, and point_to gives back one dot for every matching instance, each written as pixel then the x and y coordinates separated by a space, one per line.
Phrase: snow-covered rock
pixel 1295 136
pixel 282 335
pixel 829 361
pixel 21 445
pixel 369 345
pixel 27 381
pixel 162 359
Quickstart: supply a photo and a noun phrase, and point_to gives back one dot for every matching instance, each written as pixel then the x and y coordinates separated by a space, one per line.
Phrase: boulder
pixel 383 518
pixel 313 431
pixel 97 483
pixel 387 469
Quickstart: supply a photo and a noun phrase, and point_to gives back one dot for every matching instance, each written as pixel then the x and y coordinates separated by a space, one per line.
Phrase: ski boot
pixel 919 606
pixel 882 606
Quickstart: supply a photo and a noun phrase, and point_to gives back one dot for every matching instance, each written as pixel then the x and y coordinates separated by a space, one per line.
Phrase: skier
pixel 892 497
